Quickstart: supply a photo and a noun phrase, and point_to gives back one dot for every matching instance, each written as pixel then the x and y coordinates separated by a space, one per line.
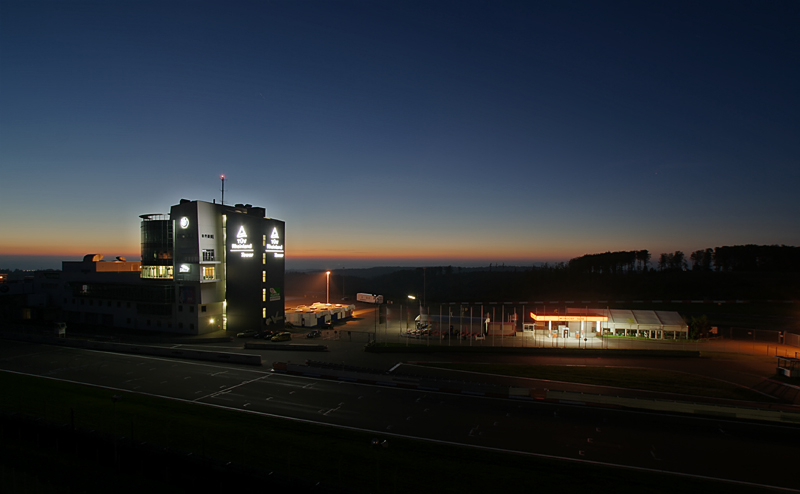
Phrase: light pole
pixel 328 285
pixel 412 297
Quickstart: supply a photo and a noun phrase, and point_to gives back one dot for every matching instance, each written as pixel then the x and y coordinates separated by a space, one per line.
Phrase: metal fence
pixel 397 325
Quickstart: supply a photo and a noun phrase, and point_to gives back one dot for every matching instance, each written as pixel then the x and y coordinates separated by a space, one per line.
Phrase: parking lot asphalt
pixel 744 363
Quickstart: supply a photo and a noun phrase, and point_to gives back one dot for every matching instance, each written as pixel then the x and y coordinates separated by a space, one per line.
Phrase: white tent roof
pixel 637 319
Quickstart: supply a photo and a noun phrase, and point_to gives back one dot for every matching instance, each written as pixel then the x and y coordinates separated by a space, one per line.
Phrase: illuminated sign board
pixel 562 318
pixel 184 222
pixel 275 245
pixel 242 246
pixel 184 268
pixel 274 294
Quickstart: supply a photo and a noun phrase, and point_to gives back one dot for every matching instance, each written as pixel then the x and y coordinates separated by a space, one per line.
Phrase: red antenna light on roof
pixel 223 189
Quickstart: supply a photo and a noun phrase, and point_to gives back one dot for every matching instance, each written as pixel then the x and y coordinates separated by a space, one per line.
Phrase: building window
pixel 191 308
pixel 208 254
pixel 263 276
pixel 209 272
pixel 202 308
pixel 263 313
pixel 264 258
pixel 263 294
pixel 156 272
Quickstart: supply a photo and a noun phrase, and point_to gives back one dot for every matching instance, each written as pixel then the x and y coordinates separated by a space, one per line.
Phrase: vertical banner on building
pixel 273 254
pixel 243 280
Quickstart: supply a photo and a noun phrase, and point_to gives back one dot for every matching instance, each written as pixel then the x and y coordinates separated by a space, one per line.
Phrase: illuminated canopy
pixel 564 318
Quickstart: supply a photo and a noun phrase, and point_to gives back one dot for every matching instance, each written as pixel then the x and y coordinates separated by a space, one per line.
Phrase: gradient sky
pixel 404 132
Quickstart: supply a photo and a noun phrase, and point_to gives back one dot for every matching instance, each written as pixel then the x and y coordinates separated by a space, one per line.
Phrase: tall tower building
pixel 226 264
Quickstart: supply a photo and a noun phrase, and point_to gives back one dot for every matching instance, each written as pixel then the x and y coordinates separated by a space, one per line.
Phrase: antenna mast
pixel 223 188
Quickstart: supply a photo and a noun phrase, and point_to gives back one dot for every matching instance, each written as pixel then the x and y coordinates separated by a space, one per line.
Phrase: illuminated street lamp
pixel 328 284
pixel 411 297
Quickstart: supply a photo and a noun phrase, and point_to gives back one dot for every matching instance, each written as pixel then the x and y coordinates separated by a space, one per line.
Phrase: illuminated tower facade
pixel 226 264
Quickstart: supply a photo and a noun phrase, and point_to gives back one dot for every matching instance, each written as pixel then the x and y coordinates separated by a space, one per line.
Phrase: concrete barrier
pixel 704 409
pixel 378 377
pixel 233 358
pixel 550 352
pixel 297 347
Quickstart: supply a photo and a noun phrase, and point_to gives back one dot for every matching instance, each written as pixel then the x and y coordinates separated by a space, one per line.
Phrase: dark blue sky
pixel 404 132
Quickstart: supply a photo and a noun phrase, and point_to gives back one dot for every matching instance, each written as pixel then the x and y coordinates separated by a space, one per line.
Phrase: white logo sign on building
pixel 242 246
pixel 275 246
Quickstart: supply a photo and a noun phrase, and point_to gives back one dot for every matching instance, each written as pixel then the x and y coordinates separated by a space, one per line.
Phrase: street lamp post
pixel 411 297
pixel 328 286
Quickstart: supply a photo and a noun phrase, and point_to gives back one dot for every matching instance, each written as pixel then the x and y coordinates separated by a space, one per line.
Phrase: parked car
pixel 285 336
pixel 314 334
pixel 246 334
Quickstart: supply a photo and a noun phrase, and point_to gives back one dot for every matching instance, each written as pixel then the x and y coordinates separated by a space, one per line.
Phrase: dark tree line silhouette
pixel 737 258
pixel 611 262
pixel 726 273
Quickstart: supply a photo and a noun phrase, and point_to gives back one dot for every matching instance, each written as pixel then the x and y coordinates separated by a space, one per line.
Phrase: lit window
pixel 156 272
pixel 263 276
pixel 263 313
pixel 208 272
pixel 263 294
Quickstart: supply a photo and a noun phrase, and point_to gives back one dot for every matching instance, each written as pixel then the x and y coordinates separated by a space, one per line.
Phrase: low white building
pixel 317 314
pixel 587 323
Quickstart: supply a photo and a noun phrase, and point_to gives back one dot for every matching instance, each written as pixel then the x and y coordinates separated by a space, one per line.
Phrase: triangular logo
pixel 242 233
pixel 274 233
